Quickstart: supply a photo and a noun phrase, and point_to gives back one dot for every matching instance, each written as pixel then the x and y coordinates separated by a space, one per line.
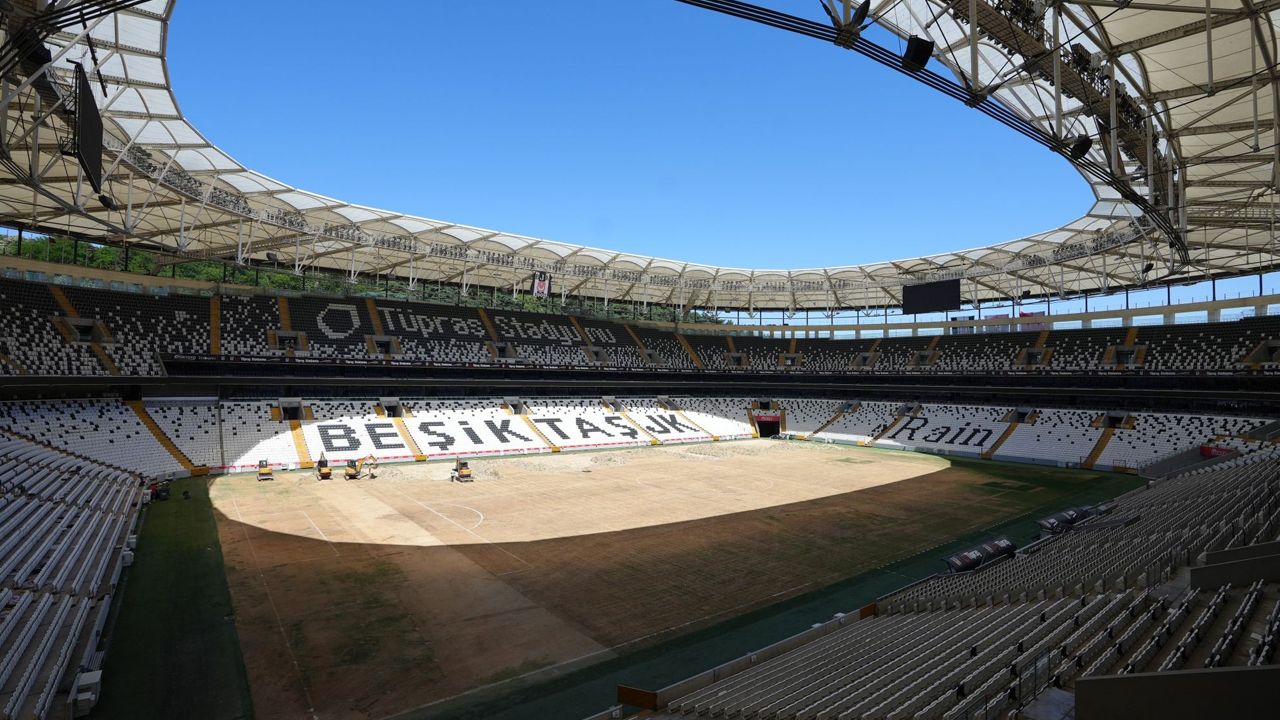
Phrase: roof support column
pixel 1208 42
pixel 1060 131
pixel 973 46
pixel 1115 130
pixel 1253 82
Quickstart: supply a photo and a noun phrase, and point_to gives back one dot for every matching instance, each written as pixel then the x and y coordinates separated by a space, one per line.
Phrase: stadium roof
pixel 1194 100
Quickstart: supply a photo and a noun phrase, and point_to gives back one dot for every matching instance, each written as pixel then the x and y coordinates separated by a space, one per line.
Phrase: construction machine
pixel 461 472
pixel 355 467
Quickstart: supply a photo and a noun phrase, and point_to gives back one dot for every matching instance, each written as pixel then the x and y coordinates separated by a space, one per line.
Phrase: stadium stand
pixel 1056 437
pixel 665 347
pixel 724 418
pixel 64 521
pixel 250 433
pixel 193 424
pixel 540 339
pixel 141 326
pixel 1094 601
pixel 868 421
pixel 1082 351
pixel 584 424
pixel 463 428
pixel 907 354
pixel 712 351
pixel 759 353
pixel 334 329
pixel 620 348
pixel 435 333
pixel 232 435
pixel 246 323
pixel 1207 347
pixel 988 352
pixel 830 356
pixel 126 333
pixel 34 341
pixel 948 429
pixel 106 430
pixel 1157 435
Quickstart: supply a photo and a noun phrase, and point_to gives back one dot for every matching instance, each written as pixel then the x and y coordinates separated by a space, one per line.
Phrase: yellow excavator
pixel 355 467
pixel 323 471
pixel 264 471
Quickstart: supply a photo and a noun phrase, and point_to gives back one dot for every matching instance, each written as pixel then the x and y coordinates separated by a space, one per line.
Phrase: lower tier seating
pixel 64 528
pixel 984 644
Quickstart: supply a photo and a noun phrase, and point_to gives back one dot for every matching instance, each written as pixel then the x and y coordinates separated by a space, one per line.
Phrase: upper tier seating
pixel 140 327
pixel 985 352
pixel 620 349
pixel 334 328
pixel 1205 347
pixel 144 326
pixel 830 356
pixel 900 354
pixel 713 350
pixel 436 333
pixel 245 323
pixel 32 341
pixel 666 347
pixel 1082 350
pixel 547 340
pixel 761 353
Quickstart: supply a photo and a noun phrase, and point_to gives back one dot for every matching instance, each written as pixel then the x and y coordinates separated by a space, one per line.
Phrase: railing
pixel 1032 678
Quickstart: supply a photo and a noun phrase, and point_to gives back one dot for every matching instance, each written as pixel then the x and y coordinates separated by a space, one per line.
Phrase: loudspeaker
pixel 917 54
pixel 1081 147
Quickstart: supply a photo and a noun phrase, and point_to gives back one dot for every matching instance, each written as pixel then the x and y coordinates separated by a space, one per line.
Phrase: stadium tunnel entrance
pixel 768 428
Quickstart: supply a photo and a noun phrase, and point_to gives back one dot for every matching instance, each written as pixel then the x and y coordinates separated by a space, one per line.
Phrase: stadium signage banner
pixel 942 434
pixel 444 435
pixel 540 285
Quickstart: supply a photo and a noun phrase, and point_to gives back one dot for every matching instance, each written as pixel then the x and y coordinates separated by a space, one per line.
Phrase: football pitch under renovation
pixel 533 591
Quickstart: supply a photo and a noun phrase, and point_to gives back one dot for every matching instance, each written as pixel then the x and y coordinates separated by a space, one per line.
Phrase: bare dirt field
pixel 361 599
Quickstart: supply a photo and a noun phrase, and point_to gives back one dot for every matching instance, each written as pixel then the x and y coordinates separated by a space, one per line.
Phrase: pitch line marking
pixel 311 706
pixel 316 527
pixel 468 507
pixel 460 527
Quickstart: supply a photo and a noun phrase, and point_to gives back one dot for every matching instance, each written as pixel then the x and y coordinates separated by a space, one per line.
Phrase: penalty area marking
pixel 469 531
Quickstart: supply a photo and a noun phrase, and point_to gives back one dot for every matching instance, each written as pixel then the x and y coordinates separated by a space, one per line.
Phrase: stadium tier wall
pixel 52 330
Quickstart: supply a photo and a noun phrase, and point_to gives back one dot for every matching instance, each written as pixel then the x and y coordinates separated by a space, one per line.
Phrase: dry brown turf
pixel 361 599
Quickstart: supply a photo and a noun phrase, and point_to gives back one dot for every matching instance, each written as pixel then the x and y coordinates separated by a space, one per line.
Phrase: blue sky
pixel 651 127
